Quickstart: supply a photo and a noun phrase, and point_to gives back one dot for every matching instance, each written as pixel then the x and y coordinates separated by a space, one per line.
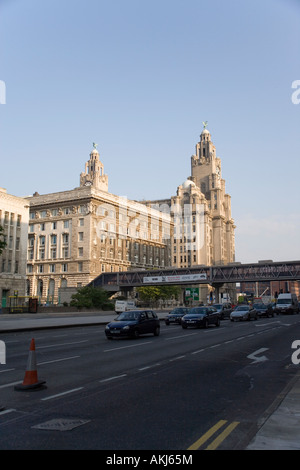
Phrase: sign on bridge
pixel 178 278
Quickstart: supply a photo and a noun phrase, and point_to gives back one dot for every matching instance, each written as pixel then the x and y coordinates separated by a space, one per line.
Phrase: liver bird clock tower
pixel 94 172
pixel 206 174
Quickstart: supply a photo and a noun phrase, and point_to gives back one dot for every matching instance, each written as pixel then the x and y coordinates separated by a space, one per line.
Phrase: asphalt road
pixel 184 390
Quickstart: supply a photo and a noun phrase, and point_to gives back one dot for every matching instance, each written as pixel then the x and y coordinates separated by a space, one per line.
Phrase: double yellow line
pixel 219 439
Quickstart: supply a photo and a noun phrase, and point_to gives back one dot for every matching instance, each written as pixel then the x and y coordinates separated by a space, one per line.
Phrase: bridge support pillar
pixel 127 291
pixel 217 287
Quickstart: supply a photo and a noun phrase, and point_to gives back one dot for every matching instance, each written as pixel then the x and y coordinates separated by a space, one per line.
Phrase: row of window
pixel 53 239
pixel 128 244
pixel 9 266
pixel 54 225
pixel 185 248
pixel 136 258
pixel 52 268
pixel 184 259
pixel 131 232
pixel 63 268
pixel 12 241
pixel 10 218
pixel 10 244
pixel 56 212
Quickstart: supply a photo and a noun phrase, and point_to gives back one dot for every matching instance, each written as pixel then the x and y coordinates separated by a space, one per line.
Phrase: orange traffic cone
pixel 31 378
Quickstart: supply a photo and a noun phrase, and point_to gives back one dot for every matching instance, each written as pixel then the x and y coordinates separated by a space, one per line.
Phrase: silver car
pixel 243 312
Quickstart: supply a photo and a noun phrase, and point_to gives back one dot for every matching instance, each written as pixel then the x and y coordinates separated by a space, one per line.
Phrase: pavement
pixel 278 429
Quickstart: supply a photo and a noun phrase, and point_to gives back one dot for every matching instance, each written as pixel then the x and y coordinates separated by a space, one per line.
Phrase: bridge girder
pixel 213 275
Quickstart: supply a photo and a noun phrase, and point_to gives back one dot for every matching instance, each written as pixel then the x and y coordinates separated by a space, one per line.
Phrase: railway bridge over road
pixel 213 275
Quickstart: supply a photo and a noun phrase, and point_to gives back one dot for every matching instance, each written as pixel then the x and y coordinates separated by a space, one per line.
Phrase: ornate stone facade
pixel 14 213
pixel 75 235
pixel 201 213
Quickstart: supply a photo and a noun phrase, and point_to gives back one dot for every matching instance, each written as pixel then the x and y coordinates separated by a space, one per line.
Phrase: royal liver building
pixel 201 212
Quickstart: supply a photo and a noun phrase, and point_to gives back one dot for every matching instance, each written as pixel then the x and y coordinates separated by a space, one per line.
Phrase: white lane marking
pixel 6 370
pixel 57 360
pixel 4 412
pixel 181 336
pixel 62 344
pixel 125 347
pixel 112 378
pixel 11 384
pixel 199 351
pixel 176 358
pixel 62 394
pixel 212 329
pixel 267 324
pixel 149 367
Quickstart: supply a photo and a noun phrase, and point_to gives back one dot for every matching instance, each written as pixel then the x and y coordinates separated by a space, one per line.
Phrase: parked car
pixel 243 312
pixel 263 310
pixel 133 324
pixel 175 315
pixel 201 316
pixel 224 310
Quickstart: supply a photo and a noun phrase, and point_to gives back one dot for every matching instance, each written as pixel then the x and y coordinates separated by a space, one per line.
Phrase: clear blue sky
pixel 138 77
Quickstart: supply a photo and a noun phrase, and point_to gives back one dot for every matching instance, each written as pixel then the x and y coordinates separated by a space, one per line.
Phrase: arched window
pixel 51 287
pixel 40 288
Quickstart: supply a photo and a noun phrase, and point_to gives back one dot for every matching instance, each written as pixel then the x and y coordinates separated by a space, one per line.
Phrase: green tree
pixel 2 242
pixel 170 292
pixel 154 293
pixel 149 293
pixel 90 297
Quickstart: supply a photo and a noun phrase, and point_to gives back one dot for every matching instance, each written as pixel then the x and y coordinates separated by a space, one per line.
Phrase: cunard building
pixel 76 235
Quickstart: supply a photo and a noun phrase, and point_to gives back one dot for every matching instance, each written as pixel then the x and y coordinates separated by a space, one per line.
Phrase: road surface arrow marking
pixel 260 358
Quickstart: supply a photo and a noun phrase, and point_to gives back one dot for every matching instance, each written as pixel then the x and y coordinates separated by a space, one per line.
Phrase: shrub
pixel 89 297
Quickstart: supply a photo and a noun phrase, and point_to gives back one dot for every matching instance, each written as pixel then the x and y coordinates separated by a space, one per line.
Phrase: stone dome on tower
pixel 94 151
pixel 188 183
